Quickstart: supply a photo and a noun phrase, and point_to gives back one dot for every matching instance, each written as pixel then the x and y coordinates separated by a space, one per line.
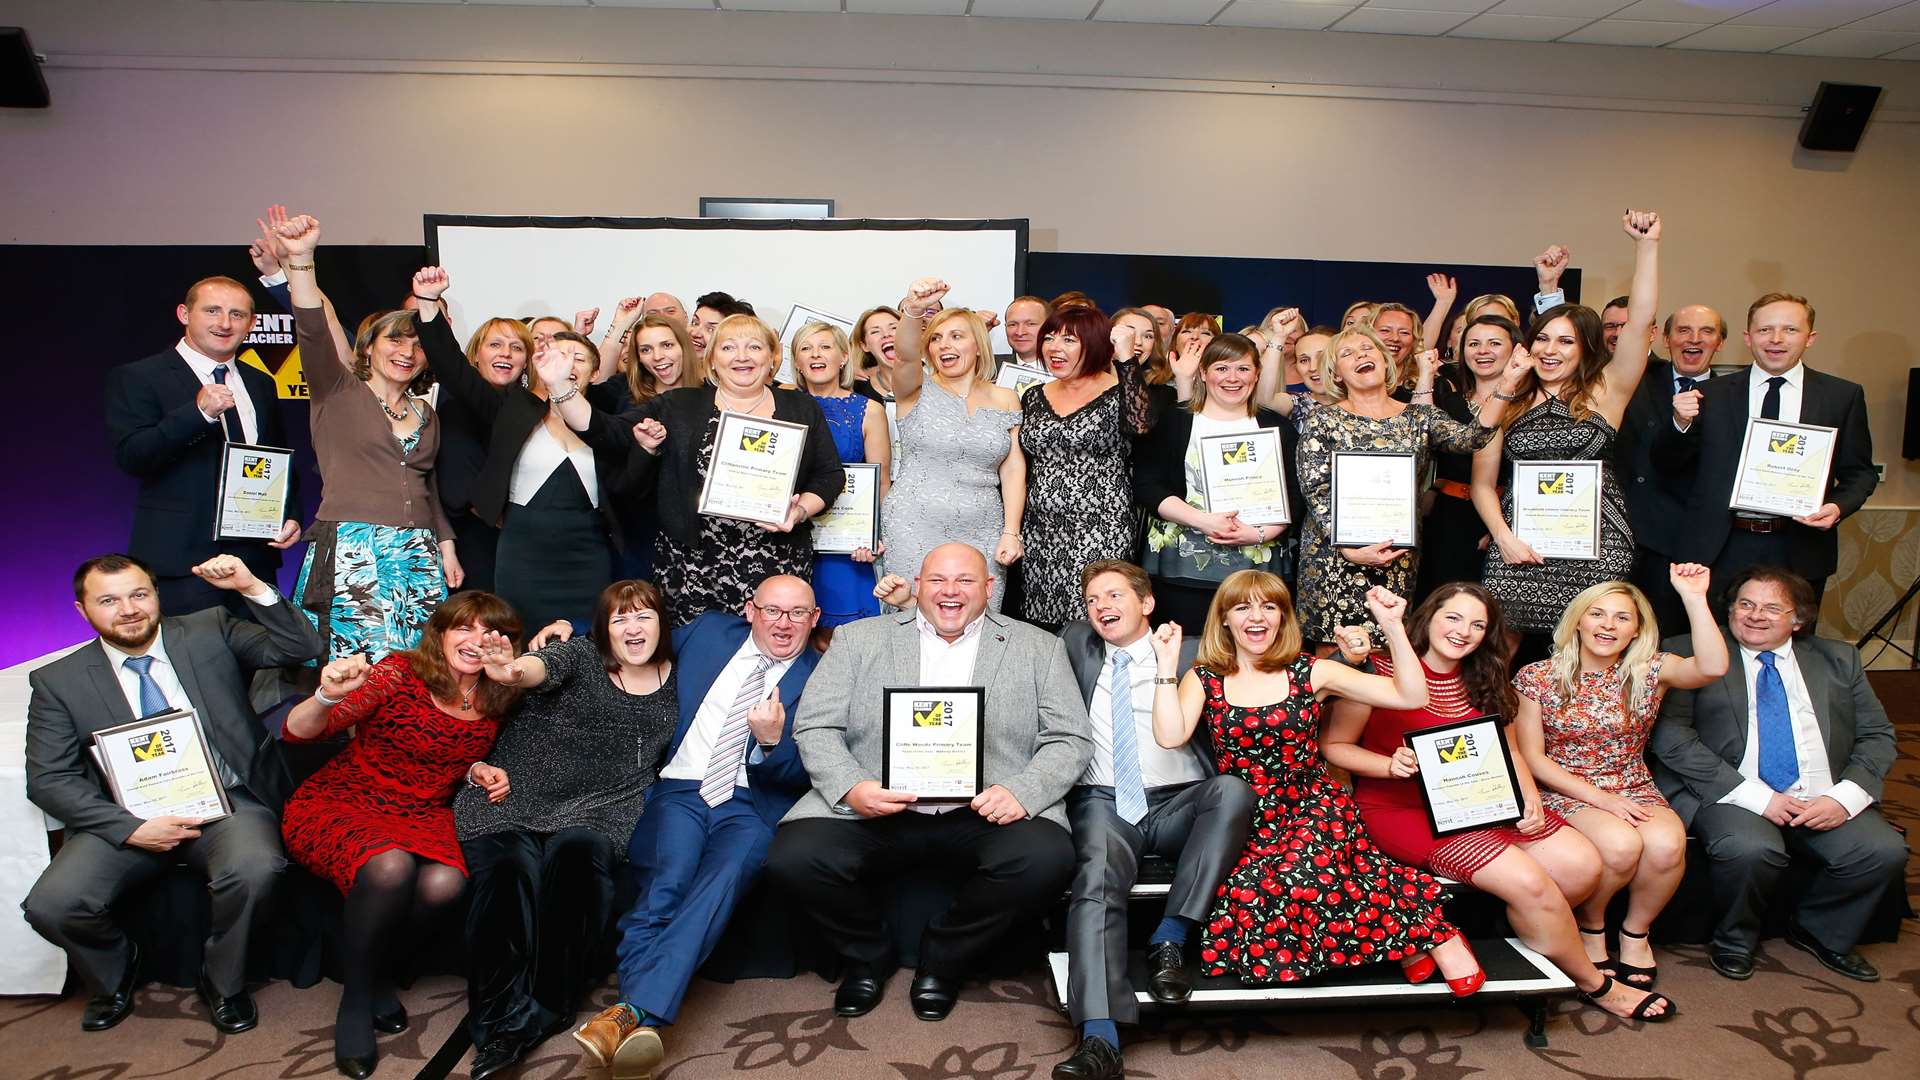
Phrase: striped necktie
pixel 1129 793
pixel 730 748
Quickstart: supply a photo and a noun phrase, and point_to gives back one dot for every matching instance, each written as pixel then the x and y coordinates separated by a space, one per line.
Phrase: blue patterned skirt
pixel 370 588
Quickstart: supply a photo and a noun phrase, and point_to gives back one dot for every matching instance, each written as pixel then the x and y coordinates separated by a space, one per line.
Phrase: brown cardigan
pixel 363 475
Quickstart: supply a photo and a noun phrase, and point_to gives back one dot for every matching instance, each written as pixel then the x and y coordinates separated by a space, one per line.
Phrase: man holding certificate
pixel 1762 443
pixel 948 655
pixel 193 671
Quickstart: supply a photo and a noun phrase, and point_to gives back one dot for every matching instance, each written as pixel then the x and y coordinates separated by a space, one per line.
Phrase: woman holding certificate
pixel 1535 865
pixel 1585 714
pixel 1215 478
pixel 1453 539
pixel 843 580
pixel 1562 524
pixel 735 471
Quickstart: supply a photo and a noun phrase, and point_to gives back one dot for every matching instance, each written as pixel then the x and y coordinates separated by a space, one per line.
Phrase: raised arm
pixel 1406 689
pixel 301 237
pixel 613 346
pixel 1445 291
pixel 909 359
pixel 350 691
pixel 1643 301
pixel 524 672
pixel 1710 658
pixel 444 355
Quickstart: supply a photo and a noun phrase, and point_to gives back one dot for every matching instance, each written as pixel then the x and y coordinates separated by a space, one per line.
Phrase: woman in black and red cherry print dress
pixel 1311 892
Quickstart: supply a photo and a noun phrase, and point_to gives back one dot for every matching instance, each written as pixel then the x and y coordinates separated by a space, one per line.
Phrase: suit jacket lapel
pixel 1813 675
pixel 180 655
pixel 993 649
pixel 1734 685
pixel 112 698
pixel 906 651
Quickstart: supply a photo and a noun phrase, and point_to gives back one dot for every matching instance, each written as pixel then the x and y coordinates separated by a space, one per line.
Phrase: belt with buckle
pixel 1759 524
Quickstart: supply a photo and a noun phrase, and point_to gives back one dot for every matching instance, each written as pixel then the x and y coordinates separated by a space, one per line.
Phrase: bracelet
pixel 1162 680
pixel 296 266
pixel 321 697
pixel 562 399
pixel 1506 397
pixel 1008 532
pixel 426 299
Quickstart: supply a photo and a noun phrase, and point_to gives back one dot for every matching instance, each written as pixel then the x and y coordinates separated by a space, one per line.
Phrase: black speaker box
pixel 1838 116
pixel 1910 446
pixel 21 85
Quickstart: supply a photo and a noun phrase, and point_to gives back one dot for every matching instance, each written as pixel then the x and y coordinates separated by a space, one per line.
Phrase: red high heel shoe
pixel 1420 969
pixel 1468 985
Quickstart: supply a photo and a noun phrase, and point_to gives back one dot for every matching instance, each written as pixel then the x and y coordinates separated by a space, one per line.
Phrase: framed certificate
pixel 1244 472
pixel 1020 378
pixel 1467 778
pixel 252 498
pixel 1783 468
pixel 1556 507
pixel 756 463
pixel 930 745
pixel 1375 498
pixel 798 316
pixel 161 766
pixel 853 521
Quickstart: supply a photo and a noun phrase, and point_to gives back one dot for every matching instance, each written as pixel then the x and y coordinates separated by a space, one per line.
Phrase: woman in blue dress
pixel 842 583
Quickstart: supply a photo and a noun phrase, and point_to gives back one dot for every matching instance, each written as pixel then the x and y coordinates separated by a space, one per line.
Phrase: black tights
pixel 393 889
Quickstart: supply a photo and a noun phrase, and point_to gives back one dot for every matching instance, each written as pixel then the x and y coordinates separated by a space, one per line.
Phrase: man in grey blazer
pixel 1783 759
pixel 849 828
pixel 138 665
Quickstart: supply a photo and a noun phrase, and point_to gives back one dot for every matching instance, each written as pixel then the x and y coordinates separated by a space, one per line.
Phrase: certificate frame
pixel 1348 538
pixel 1531 499
pixel 735 428
pixel 1263 445
pixel 244 497
pixel 798 316
pixel 1483 786
pixel 1753 496
pixel 129 745
pixel 840 531
pixel 1021 378
pixel 904 703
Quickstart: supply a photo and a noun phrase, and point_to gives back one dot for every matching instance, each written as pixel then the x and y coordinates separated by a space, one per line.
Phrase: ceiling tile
pixel 1859 43
pixel 1821 14
pixel 905 7
pixel 1372 20
pixel 1517 27
pixel 702 5
pixel 782 5
pixel 1687 11
pixel 1911 52
pixel 1285 14
pixel 1184 12
pixel 1585 9
pixel 1462 7
pixel 1900 18
pixel 1034 9
pixel 1631 32
pixel 1730 38
pixel 532 3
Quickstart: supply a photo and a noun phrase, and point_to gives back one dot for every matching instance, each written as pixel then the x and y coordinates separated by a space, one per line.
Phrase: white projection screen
pixel 520 266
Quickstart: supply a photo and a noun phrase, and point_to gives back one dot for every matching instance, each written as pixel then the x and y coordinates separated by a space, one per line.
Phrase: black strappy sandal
pixel 1627 973
pixel 1639 1011
pixel 1605 964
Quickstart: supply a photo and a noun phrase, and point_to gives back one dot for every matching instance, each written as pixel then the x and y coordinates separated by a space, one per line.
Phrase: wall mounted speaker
pixel 1838 116
pixel 21 84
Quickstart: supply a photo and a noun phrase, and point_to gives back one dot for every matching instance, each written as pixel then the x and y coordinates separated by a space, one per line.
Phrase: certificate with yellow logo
pixel 161 766
pixel 1245 473
pixel 853 521
pixel 1556 507
pixel 1783 468
pixel 756 463
pixel 1021 378
pixel 1466 776
pixel 252 498
pixel 931 741
pixel 1376 499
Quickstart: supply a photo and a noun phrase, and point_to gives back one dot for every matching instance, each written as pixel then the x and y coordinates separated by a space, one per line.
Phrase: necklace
pixel 466 697
pixel 620 677
pixel 388 409
pixel 727 400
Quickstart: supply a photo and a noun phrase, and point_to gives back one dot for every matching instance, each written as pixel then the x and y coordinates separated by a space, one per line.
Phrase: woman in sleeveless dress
pixel 842 582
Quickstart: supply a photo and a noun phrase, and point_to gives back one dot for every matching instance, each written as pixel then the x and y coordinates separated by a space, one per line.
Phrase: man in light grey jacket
pixel 1036 744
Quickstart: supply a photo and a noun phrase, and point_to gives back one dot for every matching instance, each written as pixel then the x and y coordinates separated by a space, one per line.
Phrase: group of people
pixel 621 684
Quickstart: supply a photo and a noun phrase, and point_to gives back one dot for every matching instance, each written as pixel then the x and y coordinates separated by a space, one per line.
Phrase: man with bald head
pixel 666 305
pixel 1013 835
pixel 732 771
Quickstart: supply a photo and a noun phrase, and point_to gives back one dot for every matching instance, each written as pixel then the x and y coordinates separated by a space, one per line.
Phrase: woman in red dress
pixel 377 820
pixel 1311 892
pixel 1536 865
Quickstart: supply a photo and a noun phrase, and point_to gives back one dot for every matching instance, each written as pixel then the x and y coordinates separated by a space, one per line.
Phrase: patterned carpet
pixel 1792 1018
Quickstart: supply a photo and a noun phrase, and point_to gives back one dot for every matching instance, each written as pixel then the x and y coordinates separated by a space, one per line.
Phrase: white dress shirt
pixel 1159 766
pixel 690 761
pixel 1816 776
pixel 1677 375
pixel 541 455
pixel 1796 377
pixel 168 680
pixel 203 366
pixel 947 663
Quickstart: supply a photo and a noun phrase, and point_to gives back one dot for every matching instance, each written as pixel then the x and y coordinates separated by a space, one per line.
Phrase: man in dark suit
pixel 138 665
pixel 732 770
pixel 170 417
pixel 1782 759
pixel 1656 501
pixel 1135 797
pixel 1703 445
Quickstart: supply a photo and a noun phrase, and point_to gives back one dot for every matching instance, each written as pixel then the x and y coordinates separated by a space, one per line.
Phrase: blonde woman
pixel 1584 717
pixel 961 475
pixel 842 583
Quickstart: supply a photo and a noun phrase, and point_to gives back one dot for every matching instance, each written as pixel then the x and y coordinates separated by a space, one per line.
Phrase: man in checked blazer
pixel 849 828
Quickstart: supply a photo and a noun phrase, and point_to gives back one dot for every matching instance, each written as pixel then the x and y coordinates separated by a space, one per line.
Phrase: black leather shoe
pixel 496 1055
pixel 231 1015
pixel 857 996
pixel 359 1068
pixel 1850 964
pixel 391 1023
pixel 1097 1059
pixel 105 1010
pixel 1169 982
pixel 1734 965
pixel 932 997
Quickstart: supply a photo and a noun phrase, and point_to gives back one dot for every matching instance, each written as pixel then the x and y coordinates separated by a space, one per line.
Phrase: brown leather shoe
pixel 639 1054
pixel 601 1036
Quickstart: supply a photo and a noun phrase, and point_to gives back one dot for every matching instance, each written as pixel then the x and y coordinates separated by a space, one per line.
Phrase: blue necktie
pixel 1129 793
pixel 1682 383
pixel 231 418
pixel 152 699
pixel 1779 764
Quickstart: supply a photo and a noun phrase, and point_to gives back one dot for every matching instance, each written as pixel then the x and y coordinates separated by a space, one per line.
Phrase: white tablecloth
pixel 28 964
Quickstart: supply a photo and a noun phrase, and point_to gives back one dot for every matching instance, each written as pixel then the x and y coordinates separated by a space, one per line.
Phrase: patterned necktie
pixel 152 698
pixel 231 418
pixel 1129 793
pixel 1683 383
pixel 1770 405
pixel 730 748
pixel 1779 764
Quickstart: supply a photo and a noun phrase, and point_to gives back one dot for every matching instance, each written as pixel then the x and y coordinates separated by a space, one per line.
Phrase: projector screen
pixel 519 266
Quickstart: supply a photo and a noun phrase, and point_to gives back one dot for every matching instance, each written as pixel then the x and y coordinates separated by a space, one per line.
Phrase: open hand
pixel 556 631
pixel 1443 288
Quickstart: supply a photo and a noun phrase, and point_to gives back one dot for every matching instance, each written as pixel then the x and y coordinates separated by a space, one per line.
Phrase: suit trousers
pixel 827 865
pixel 692 863
pixel 1203 825
pixel 240 856
pixel 536 920
pixel 1859 861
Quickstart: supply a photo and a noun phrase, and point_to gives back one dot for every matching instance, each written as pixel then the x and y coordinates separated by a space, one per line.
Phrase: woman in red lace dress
pixel 1536 865
pixel 1311 891
pixel 377 820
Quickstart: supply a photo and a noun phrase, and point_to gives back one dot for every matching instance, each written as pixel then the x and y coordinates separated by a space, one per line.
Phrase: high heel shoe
pixel 1631 974
pixel 1420 969
pixel 1468 985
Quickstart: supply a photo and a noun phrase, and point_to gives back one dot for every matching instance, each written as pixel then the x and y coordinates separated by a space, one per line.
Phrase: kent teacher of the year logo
pixel 759 440
pixel 152 747
pixel 1460 749
pixel 931 714
pixel 1560 483
pixel 256 467
pixel 1787 442
pixel 1238 453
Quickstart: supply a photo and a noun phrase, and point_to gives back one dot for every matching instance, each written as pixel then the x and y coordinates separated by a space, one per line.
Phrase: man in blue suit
pixel 732 771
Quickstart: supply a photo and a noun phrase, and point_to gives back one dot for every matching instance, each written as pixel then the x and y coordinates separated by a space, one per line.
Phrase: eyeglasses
pixel 775 614
pixel 1748 607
